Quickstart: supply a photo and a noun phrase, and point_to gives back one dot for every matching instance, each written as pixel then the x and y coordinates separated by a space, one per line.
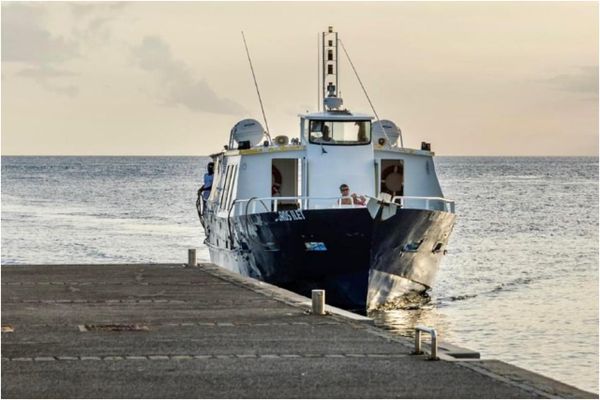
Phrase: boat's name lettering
pixel 291 215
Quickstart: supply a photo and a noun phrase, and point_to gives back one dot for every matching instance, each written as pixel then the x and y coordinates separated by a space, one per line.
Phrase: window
pixel 340 132
pixel 225 190
pixel 231 183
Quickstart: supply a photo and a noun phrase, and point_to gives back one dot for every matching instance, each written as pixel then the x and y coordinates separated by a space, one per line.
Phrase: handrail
pixel 273 204
pixel 301 200
pixel 448 204
pixel 418 329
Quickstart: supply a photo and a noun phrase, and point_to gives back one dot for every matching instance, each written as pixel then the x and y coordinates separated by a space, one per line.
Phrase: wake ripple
pixel 503 287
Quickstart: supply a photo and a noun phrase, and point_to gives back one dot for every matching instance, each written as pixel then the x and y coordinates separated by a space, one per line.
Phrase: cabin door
pixel 392 178
pixel 286 181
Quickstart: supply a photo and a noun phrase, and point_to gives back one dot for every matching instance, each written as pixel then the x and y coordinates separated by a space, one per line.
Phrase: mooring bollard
pixel 318 302
pixel 192 258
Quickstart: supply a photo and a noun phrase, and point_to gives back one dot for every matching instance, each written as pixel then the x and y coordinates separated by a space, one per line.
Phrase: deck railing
pixel 425 203
pixel 273 204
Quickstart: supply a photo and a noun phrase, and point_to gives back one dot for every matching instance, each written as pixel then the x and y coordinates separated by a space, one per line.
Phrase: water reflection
pixel 404 321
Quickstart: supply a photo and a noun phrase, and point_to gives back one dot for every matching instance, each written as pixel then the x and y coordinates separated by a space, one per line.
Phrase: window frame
pixel 324 121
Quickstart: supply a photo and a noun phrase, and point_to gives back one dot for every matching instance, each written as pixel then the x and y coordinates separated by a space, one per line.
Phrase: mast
pixel 330 75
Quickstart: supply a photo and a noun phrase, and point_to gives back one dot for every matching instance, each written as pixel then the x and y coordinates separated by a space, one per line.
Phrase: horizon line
pixel 208 155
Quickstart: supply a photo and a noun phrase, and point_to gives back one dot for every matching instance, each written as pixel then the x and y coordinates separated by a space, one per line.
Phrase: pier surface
pixel 170 331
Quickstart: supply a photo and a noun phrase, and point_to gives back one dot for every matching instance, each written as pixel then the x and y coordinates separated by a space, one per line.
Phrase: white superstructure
pixel 314 168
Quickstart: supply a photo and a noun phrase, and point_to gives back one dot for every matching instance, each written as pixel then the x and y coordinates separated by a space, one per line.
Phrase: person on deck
pixel 350 199
pixel 208 181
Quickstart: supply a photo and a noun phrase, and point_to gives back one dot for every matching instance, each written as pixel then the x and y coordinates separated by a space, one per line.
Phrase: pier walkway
pixel 170 331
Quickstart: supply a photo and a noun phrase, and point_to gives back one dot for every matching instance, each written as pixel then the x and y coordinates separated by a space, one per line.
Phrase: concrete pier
pixel 174 331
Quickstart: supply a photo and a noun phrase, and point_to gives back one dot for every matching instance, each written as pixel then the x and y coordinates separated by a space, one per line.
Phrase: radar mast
pixel 330 70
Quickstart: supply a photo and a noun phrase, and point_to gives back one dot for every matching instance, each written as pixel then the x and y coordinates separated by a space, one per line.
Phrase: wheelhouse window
pixel 340 132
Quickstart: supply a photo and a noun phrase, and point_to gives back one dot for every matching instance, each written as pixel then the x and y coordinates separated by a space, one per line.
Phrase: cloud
pixel 24 38
pixel 83 9
pixel 45 72
pixel 93 22
pixel 583 81
pixel 50 79
pixel 181 87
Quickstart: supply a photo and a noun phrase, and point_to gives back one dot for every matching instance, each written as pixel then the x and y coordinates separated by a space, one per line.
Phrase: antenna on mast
pixel 257 91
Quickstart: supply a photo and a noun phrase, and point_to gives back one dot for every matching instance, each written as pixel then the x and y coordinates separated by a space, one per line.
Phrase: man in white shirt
pixel 208 181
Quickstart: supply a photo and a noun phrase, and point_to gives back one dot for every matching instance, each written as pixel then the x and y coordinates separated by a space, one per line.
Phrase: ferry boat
pixel 275 211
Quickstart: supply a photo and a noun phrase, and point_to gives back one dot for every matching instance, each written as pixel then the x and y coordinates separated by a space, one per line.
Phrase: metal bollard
pixel 318 302
pixel 433 333
pixel 418 342
pixel 192 258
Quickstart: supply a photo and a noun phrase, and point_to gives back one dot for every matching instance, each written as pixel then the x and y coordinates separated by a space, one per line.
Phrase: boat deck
pixel 170 331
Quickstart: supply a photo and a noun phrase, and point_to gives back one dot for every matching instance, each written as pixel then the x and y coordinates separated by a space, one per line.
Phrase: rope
pixel 256 85
pixel 367 95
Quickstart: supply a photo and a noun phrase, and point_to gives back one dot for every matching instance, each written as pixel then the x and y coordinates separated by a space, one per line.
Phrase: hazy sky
pixel 173 78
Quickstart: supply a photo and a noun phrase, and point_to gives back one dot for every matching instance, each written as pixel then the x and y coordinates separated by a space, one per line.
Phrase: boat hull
pixel 358 257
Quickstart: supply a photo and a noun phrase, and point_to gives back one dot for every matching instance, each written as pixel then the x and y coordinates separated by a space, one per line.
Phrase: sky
pixel 172 78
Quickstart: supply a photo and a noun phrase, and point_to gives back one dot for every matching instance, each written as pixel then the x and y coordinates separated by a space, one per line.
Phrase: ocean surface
pixel 519 283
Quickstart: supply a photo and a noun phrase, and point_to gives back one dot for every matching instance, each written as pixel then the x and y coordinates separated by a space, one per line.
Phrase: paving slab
pixel 171 331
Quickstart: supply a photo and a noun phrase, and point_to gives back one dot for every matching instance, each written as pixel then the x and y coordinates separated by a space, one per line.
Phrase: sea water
pixel 519 282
